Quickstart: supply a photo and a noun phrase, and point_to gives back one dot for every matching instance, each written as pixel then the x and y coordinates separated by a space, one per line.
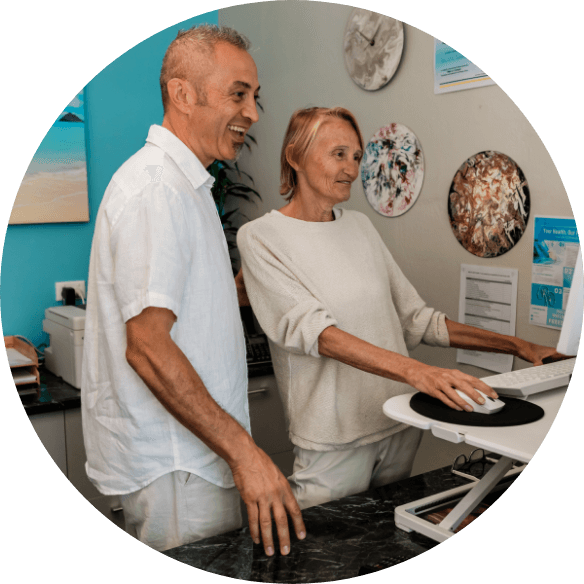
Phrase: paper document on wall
pixel 488 300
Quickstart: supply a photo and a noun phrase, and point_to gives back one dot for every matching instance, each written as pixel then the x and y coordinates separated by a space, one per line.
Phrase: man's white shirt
pixel 158 242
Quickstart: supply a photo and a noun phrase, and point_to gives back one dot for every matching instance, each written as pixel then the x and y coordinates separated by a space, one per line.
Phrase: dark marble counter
pixel 344 537
pixel 57 394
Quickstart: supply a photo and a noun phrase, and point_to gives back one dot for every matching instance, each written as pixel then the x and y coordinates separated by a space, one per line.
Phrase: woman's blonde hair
pixel 302 130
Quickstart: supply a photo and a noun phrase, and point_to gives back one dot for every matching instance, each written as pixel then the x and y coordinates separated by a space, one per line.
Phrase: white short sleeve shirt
pixel 158 241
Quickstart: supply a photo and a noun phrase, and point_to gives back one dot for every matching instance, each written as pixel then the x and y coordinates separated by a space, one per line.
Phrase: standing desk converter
pixel 513 443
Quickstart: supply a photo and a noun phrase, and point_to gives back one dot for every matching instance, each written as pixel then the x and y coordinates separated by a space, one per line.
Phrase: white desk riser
pixel 513 443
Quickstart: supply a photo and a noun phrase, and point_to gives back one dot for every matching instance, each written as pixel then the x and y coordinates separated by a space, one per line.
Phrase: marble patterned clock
pixel 372 46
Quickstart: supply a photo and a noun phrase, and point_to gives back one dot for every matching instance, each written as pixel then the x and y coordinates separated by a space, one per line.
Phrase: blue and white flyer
pixel 555 250
pixel 454 72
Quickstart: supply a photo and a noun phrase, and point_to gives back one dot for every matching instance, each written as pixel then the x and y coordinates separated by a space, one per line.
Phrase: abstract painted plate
pixel 489 204
pixel 393 170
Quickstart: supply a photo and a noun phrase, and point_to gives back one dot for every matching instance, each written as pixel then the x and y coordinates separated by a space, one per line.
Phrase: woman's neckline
pixel 337 214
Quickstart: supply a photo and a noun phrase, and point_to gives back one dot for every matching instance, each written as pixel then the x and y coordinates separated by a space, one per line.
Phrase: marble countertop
pixel 344 537
pixel 56 395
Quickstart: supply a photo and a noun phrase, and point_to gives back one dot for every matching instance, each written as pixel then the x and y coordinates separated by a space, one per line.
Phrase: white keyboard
pixel 524 382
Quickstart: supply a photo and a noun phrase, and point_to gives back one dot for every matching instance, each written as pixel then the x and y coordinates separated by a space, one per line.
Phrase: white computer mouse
pixel 491 405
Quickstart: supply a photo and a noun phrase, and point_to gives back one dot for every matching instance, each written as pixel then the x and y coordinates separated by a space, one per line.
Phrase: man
pixel 164 391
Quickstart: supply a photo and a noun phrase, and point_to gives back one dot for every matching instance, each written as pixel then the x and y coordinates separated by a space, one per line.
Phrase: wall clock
pixel 372 46
pixel 393 170
pixel 489 204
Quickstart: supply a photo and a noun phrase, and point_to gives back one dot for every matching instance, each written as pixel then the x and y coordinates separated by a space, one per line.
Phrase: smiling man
pixel 164 390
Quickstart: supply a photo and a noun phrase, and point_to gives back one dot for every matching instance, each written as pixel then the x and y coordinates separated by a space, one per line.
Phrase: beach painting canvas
pixel 54 188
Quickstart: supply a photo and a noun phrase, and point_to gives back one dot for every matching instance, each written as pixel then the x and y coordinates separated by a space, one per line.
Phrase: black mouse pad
pixel 515 413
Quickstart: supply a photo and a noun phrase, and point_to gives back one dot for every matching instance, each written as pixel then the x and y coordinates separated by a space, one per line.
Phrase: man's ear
pixel 181 94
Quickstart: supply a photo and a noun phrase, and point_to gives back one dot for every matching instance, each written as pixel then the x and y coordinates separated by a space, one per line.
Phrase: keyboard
pixel 257 350
pixel 525 382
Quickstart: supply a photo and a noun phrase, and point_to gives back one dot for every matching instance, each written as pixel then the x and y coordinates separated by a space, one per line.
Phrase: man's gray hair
pixel 198 39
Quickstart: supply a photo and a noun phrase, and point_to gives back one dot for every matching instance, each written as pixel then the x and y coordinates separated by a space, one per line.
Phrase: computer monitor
pixel 570 335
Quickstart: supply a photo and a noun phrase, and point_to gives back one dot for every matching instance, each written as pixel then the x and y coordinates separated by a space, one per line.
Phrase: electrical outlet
pixel 77 285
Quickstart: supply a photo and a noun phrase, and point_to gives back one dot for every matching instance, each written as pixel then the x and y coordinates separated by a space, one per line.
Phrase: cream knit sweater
pixel 302 277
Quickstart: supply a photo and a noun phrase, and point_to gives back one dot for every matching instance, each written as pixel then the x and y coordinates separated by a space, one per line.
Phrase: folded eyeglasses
pixel 473 466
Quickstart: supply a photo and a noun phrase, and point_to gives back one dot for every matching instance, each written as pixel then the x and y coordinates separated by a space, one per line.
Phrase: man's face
pixel 227 109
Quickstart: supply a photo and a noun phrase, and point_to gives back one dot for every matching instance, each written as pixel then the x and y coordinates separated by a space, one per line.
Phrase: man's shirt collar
pixel 185 158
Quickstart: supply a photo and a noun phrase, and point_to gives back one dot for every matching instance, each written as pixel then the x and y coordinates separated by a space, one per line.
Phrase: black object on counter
pixel 515 413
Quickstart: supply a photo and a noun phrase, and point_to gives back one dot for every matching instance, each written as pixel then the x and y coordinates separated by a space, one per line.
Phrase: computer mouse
pixel 491 406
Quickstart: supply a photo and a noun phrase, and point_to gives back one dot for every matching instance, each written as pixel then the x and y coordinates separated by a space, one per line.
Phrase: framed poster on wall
pixel 54 187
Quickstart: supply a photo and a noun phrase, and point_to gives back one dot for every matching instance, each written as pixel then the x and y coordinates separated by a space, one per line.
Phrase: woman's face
pixel 331 163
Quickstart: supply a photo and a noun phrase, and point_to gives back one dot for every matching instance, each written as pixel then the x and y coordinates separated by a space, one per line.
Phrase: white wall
pixel 298 50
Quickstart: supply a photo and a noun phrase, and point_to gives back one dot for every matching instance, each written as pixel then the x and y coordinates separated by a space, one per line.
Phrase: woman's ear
pixel 290 157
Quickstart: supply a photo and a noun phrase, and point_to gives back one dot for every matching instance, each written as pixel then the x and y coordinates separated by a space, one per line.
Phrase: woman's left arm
pixel 463 336
pixel 242 298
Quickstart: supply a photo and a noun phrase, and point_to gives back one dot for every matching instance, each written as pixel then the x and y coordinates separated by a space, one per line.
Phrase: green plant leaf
pixel 225 188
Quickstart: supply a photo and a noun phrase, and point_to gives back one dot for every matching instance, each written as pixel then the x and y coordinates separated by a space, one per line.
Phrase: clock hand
pixel 372 41
pixel 368 40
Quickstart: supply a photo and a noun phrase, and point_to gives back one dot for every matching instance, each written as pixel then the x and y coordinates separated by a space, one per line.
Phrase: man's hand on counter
pixel 266 494
pixel 174 382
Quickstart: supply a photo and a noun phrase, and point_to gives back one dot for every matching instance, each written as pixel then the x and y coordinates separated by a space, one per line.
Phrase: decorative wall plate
pixel 489 204
pixel 393 170
pixel 372 46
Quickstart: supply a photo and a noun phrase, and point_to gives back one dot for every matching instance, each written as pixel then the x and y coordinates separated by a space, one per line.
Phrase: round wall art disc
pixel 393 170
pixel 488 204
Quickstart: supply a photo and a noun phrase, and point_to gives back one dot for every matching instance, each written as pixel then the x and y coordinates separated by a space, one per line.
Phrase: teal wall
pixel 121 103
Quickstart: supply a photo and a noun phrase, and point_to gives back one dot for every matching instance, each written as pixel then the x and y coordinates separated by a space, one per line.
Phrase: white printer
pixel 66 327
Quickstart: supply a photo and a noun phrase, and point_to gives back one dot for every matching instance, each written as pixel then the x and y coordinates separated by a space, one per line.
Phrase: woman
pixel 341 317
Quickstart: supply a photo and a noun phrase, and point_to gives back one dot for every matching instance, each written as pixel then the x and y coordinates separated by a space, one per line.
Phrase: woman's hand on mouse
pixel 435 381
pixel 442 384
